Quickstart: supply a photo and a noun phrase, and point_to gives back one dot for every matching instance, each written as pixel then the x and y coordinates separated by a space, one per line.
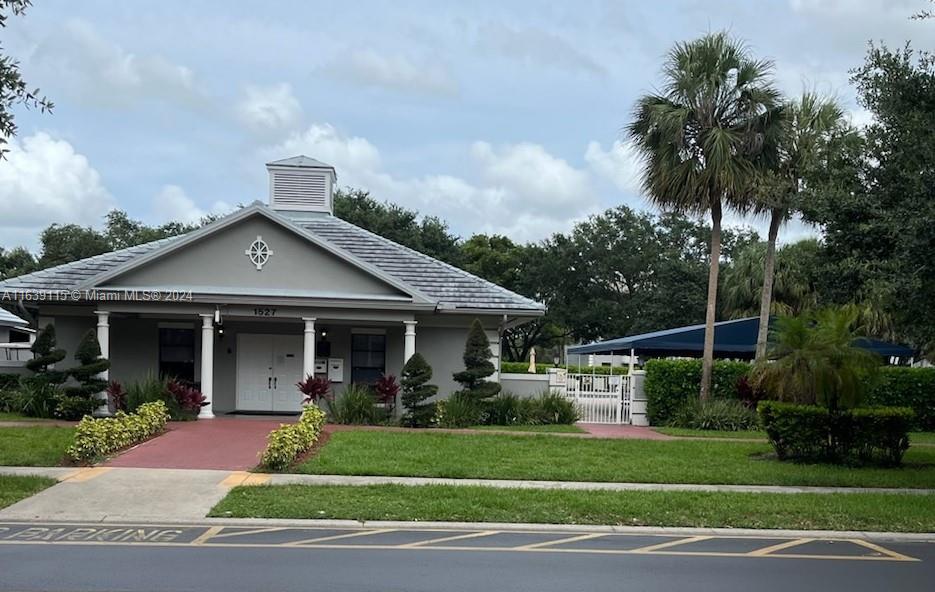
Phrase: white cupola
pixel 301 184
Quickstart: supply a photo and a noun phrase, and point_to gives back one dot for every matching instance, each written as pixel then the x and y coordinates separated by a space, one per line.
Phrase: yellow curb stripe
pixel 882 550
pixel 234 479
pixel 225 535
pixel 666 545
pixel 86 474
pixel 339 536
pixel 471 535
pixel 256 479
pixel 206 535
pixel 779 547
pixel 583 537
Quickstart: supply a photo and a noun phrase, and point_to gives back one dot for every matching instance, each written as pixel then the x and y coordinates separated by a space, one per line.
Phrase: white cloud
pixel 520 190
pixel 269 110
pixel 393 71
pixel 172 204
pixel 102 72
pixel 620 164
pixel 536 46
pixel 44 181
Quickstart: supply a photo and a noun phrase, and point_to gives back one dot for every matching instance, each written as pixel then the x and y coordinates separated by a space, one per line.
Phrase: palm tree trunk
pixel 707 360
pixel 766 298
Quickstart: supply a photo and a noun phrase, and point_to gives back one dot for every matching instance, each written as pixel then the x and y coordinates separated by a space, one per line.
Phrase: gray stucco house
pixel 251 303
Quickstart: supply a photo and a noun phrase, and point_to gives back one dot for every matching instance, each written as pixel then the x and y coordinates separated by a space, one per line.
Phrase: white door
pixel 254 372
pixel 287 370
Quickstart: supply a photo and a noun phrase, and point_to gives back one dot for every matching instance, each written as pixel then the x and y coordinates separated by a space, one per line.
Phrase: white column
pixel 103 339
pixel 409 345
pixel 308 350
pixel 207 365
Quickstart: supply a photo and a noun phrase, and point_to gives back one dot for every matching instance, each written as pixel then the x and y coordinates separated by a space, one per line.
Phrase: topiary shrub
pixel 906 387
pixel 96 438
pixel 415 377
pixel 670 383
pixel 796 431
pixel 286 443
pixel 46 354
pixel 477 366
pixel 77 401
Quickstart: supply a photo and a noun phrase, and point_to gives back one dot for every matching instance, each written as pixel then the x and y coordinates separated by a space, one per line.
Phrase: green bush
pixel 458 411
pixel 906 387
pixel 286 443
pixel 670 383
pixel 728 415
pixel 35 398
pixel 506 409
pixel 9 382
pixel 477 366
pixel 416 390
pixel 95 438
pixel 76 401
pixel 811 432
pixel 554 408
pixel 356 406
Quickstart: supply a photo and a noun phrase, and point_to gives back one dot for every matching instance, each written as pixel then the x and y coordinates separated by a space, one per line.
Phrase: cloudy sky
pixel 498 117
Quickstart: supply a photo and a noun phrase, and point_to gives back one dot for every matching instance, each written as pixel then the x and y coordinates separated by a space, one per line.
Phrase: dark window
pixel 368 358
pixel 177 354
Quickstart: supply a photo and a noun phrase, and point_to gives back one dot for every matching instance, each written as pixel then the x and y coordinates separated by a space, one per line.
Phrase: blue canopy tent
pixel 732 339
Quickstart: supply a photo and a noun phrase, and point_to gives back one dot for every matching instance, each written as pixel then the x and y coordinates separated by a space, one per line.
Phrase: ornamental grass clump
pixel 286 443
pixel 96 438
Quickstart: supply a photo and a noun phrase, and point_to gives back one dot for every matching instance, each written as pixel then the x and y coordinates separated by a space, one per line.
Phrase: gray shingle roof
pixel 439 281
pixel 8 319
pixel 301 161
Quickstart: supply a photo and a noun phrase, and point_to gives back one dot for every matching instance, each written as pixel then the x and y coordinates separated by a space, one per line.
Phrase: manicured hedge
pixel 809 432
pixel 287 442
pixel 908 387
pixel 670 383
pixel 523 368
pixel 95 438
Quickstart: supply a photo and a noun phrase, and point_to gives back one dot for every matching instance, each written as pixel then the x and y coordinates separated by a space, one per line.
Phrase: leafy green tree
pixel 704 139
pixel 477 366
pixel 814 359
pixel 121 231
pixel 82 399
pixel 795 288
pixel 70 242
pixel 45 355
pixel 13 89
pixel 14 262
pixel 414 380
pixel 808 123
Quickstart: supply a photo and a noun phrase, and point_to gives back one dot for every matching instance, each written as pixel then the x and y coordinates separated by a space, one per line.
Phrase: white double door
pixel 268 367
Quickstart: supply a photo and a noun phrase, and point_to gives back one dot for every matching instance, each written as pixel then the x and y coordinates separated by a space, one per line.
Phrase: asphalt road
pixel 52 557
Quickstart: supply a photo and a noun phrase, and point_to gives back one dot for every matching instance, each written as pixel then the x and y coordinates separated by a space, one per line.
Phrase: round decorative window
pixel 259 252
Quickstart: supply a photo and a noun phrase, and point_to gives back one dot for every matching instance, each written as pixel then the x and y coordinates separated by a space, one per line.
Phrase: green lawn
pixel 15 488
pixel 496 456
pixel 544 429
pixel 921 438
pixel 34 446
pixel 690 433
pixel 7 416
pixel 876 512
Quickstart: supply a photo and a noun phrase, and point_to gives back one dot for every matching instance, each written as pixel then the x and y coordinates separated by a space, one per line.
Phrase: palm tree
pixel 807 124
pixel 794 286
pixel 703 138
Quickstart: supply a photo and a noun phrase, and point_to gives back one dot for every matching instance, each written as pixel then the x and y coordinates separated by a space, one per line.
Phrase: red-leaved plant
pixel 117 395
pixel 386 388
pixel 188 397
pixel 315 388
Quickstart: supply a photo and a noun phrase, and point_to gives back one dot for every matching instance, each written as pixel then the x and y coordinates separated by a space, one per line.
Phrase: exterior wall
pixel 134 348
pixel 4 334
pixel 524 385
pixel 443 349
pixel 219 261
pixel 68 333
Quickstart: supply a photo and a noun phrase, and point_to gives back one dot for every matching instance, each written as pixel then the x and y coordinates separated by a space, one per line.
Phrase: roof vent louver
pixel 301 184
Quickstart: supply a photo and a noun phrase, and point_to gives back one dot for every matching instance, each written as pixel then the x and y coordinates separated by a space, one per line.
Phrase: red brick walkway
pixel 626 432
pixel 222 443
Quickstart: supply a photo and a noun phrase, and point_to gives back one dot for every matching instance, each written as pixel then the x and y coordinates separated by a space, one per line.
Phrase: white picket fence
pixel 600 398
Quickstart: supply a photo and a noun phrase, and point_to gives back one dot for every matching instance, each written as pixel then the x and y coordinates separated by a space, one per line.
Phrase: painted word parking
pixel 459 540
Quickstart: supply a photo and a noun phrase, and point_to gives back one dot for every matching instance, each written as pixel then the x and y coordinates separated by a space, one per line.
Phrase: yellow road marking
pixel 883 550
pixel 256 479
pixel 779 547
pixel 234 479
pixel 582 537
pixel 470 535
pixel 339 536
pixel 87 474
pixel 206 535
pixel 69 475
pixel 666 545
pixel 224 535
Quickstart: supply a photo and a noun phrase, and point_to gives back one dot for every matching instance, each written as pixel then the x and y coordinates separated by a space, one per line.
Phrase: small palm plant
pixel 815 360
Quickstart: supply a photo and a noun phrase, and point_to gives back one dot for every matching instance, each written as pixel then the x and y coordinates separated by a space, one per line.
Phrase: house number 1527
pixel 264 312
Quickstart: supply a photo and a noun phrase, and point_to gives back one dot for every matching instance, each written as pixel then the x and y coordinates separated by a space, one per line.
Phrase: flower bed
pixel 95 438
pixel 287 442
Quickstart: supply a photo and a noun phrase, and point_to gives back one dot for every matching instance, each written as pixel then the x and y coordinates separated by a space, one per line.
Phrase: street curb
pixel 511 527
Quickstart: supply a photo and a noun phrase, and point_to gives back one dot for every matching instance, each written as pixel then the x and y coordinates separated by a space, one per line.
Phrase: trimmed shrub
pixel 670 383
pixel 727 415
pixel 477 366
pixel 810 432
pixel 458 411
pixel 287 442
pixel 355 406
pixel 415 377
pixel 95 438
pixel 79 400
pixel 906 387
pixel 46 354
